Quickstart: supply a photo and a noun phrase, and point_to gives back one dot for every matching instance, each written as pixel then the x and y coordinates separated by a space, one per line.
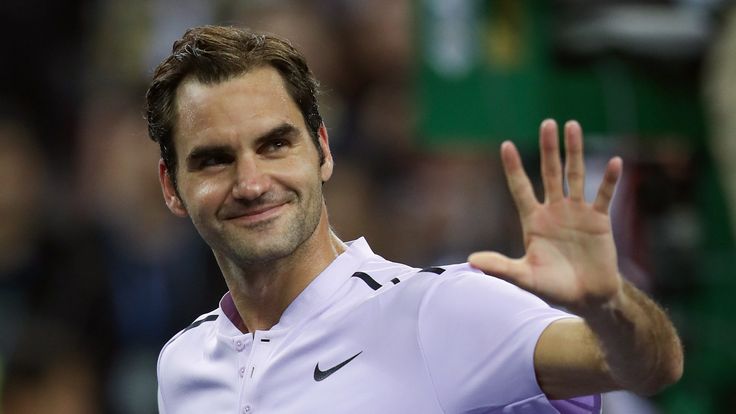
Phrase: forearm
pixel 640 346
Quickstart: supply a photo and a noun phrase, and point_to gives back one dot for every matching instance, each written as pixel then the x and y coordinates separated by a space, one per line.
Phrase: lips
pixel 255 215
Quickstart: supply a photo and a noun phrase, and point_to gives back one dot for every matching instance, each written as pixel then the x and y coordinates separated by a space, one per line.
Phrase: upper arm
pixel 569 361
pixel 478 335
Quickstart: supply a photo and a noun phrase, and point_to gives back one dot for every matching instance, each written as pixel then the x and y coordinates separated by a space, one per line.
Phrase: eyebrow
pixel 283 130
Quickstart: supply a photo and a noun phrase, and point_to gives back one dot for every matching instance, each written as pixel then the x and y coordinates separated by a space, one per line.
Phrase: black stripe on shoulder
pixel 371 282
pixel 395 281
pixel 435 270
pixel 200 321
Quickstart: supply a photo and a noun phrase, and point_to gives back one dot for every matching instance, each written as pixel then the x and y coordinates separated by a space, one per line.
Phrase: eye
pixel 214 160
pixel 209 157
pixel 274 146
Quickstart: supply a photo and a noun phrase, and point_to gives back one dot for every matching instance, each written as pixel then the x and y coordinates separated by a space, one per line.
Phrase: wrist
pixel 604 310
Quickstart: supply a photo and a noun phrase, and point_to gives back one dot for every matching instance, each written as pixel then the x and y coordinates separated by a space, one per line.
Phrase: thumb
pixel 495 264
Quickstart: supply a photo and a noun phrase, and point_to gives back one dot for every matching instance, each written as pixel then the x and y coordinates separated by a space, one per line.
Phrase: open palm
pixel 570 257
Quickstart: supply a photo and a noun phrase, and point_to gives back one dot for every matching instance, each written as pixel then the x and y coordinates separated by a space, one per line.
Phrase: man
pixel 313 324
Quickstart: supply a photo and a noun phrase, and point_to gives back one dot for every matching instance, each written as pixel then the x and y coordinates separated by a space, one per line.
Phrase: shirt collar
pixel 315 296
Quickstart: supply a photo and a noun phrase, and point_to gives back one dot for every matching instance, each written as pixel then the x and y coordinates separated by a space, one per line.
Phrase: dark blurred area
pixel 96 274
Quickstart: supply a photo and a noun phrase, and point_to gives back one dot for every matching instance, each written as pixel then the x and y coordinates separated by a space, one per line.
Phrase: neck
pixel 262 292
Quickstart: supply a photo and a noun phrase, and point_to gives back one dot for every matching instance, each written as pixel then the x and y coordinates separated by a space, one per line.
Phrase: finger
pixel 574 163
pixel 551 165
pixel 608 187
pixel 519 185
pixel 514 271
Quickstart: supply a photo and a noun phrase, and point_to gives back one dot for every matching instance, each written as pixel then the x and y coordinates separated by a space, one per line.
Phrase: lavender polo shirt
pixel 370 336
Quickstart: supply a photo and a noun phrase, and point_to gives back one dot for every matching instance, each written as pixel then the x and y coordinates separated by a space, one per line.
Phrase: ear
pixel 173 202
pixel 324 141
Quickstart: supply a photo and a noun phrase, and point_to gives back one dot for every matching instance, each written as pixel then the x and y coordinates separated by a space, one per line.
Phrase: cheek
pixel 204 197
pixel 306 178
pixel 208 190
pixel 296 171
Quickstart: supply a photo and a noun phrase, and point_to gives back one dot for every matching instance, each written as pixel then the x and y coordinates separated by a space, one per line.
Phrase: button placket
pixel 246 361
pixel 244 358
pixel 250 371
pixel 261 352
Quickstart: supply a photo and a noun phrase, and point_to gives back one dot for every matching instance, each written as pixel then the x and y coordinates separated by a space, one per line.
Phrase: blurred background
pixel 95 274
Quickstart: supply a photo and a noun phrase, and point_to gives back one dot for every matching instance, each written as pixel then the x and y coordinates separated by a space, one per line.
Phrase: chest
pixel 356 364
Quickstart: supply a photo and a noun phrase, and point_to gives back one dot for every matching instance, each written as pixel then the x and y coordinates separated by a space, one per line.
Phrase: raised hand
pixel 570 257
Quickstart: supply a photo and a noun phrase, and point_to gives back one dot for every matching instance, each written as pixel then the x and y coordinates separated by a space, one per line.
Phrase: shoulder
pixel 189 339
pixel 181 353
pixel 476 286
pixel 440 288
pixel 383 276
pixel 465 298
pixel 379 272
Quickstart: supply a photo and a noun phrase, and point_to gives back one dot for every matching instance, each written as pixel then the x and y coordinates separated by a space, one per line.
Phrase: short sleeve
pixel 477 335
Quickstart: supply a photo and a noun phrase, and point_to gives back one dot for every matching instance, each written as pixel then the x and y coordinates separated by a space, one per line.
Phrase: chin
pixel 271 240
pixel 264 251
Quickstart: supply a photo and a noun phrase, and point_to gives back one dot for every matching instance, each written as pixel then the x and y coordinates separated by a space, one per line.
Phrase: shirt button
pixel 246 409
pixel 239 345
pixel 242 371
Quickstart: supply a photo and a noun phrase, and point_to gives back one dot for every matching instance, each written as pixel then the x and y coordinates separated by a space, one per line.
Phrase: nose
pixel 251 180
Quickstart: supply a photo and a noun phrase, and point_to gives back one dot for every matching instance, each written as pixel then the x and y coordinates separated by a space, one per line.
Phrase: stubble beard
pixel 275 239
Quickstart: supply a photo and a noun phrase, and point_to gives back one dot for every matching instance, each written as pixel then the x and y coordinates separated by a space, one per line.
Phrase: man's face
pixel 249 174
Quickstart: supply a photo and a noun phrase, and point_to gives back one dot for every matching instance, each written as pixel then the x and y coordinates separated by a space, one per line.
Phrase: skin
pixel 624 340
pixel 250 180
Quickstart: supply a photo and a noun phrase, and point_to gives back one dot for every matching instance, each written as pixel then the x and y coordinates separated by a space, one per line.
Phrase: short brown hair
pixel 214 54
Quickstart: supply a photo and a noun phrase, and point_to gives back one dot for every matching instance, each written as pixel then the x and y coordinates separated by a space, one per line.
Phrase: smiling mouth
pixel 257 215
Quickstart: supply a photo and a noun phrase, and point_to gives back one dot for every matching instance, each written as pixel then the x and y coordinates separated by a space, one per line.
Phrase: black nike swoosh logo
pixel 319 375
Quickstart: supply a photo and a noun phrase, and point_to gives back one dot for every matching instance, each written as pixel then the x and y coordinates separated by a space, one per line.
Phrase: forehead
pixel 242 107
